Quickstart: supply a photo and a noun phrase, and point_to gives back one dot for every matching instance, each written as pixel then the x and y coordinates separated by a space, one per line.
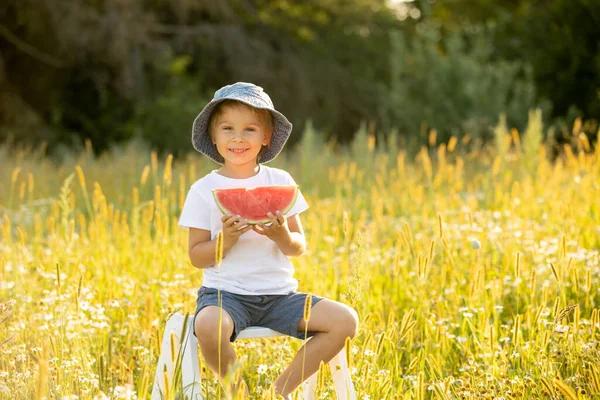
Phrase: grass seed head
pixel 307 307
pixel 219 249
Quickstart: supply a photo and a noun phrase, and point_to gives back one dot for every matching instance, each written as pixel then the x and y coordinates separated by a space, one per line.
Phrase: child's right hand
pixel 233 228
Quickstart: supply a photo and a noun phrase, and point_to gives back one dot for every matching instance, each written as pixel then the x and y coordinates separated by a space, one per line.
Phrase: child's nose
pixel 239 135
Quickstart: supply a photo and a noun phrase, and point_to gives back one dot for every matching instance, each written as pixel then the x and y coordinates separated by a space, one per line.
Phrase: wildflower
pixel 561 329
pixel 125 392
pixel 329 239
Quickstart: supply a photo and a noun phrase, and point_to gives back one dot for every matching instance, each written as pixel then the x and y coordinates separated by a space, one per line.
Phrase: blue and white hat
pixel 253 96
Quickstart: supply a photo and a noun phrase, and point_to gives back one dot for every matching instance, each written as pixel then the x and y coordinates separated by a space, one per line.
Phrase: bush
pixel 455 86
pixel 166 122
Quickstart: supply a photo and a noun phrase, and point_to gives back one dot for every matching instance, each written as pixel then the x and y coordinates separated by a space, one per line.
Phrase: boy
pixel 241 130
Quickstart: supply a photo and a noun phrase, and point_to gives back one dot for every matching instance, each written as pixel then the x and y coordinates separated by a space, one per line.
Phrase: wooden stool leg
pixel 190 369
pixel 342 380
pixel 166 365
pixel 310 387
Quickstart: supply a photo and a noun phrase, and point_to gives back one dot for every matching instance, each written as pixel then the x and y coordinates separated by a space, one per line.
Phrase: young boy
pixel 241 130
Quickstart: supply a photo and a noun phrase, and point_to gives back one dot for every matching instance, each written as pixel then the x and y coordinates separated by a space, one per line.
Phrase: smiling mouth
pixel 238 151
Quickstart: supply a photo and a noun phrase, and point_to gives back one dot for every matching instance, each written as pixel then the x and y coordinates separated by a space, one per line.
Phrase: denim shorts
pixel 282 313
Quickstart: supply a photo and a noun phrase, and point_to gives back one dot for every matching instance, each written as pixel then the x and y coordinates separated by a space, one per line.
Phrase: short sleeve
pixel 196 211
pixel 301 204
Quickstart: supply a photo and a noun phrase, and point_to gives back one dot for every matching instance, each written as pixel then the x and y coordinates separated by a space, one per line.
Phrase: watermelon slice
pixel 253 204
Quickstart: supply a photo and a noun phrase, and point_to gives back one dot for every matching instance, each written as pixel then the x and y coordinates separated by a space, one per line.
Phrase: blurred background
pixel 113 71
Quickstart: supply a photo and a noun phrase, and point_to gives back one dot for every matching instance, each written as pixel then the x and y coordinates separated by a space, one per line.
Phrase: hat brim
pixel 282 128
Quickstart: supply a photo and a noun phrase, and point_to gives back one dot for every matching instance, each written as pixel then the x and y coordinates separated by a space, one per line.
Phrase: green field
pixel 92 262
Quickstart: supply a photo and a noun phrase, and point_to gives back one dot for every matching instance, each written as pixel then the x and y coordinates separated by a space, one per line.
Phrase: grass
pixel 92 262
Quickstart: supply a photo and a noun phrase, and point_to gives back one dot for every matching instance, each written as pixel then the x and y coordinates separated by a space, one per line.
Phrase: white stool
pixel 186 353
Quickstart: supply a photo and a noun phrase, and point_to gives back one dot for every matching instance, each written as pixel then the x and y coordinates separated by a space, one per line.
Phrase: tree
pixel 560 39
pixel 95 68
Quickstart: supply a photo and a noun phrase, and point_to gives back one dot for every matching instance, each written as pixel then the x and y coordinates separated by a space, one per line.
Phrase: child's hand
pixel 277 230
pixel 233 228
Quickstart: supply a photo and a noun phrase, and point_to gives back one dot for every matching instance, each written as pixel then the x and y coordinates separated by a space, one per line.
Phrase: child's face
pixel 239 135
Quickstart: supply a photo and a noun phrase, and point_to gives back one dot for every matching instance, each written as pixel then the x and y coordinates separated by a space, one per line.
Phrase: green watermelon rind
pixel 256 222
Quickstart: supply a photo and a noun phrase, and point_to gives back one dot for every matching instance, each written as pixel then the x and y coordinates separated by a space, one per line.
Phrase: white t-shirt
pixel 254 265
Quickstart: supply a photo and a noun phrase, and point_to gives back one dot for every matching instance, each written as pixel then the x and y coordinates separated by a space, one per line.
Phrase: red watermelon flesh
pixel 253 204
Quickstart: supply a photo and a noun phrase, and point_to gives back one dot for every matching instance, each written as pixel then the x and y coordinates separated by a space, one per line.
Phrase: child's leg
pixel 206 328
pixel 334 322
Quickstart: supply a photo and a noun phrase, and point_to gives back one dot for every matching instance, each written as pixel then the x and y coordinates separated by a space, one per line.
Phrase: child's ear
pixel 267 140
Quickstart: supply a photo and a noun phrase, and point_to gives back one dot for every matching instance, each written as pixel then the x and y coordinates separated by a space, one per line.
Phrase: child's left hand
pixel 277 230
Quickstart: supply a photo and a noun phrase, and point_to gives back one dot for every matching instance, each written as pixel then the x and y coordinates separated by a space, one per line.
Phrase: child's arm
pixel 202 250
pixel 296 244
pixel 287 233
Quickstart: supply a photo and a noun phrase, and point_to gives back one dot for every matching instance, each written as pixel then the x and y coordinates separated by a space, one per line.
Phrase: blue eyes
pixel 228 128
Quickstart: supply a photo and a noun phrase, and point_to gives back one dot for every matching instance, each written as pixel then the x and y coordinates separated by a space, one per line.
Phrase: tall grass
pixel 92 261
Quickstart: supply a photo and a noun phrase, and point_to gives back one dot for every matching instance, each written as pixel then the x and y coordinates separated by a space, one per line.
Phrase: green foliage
pixel 104 78
pixel 454 86
pixel 532 140
pixel 166 122
pixel 501 137
pixel 561 42
pixel 360 151
pixel 558 38
pixel 97 70
pixel 312 155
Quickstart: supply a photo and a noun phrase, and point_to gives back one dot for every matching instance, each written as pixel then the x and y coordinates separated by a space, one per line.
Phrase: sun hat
pixel 253 96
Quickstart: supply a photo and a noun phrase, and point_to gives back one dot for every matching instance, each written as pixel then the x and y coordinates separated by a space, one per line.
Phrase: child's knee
pixel 349 321
pixel 344 321
pixel 206 325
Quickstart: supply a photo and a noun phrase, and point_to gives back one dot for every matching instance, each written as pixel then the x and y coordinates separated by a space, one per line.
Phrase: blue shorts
pixel 282 313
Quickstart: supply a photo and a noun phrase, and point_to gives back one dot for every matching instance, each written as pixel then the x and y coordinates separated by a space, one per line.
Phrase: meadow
pixel 474 269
